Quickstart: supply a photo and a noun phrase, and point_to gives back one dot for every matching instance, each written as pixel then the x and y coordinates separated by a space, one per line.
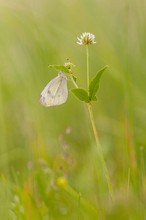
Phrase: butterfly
pixel 55 92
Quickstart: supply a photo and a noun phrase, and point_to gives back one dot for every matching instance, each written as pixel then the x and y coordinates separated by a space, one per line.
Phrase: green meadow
pixel 50 168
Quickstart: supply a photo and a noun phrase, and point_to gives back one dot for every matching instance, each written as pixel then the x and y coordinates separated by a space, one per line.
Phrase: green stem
pixel 134 153
pixel 87 60
pixel 73 81
pixel 99 149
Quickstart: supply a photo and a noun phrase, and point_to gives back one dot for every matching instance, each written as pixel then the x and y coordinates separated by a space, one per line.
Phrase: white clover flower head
pixel 86 38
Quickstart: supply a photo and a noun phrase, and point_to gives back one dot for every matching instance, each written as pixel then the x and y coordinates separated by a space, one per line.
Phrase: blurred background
pixel 38 144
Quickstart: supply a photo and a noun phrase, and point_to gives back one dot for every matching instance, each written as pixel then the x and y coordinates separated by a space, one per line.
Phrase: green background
pixel 39 144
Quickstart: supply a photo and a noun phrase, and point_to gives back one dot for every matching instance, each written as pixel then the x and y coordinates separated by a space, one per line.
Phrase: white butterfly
pixel 55 92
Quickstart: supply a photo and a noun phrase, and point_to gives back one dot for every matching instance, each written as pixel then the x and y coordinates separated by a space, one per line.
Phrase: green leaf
pixel 81 94
pixel 94 99
pixel 94 84
pixel 59 67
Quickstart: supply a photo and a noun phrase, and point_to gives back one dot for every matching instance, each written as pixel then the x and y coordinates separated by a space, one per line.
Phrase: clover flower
pixel 86 38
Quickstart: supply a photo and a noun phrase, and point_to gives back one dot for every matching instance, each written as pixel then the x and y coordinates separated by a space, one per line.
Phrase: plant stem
pixel 73 81
pixel 87 60
pixel 99 149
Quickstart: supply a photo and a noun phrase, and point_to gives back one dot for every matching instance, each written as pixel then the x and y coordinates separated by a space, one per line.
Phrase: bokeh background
pixel 38 144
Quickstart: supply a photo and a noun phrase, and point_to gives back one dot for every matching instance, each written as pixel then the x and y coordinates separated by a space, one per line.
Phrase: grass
pixel 48 161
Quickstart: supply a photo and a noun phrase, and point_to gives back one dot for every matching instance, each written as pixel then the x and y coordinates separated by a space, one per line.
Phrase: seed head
pixel 69 65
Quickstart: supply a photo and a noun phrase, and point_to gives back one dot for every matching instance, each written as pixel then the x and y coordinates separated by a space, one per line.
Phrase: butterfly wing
pixel 55 92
